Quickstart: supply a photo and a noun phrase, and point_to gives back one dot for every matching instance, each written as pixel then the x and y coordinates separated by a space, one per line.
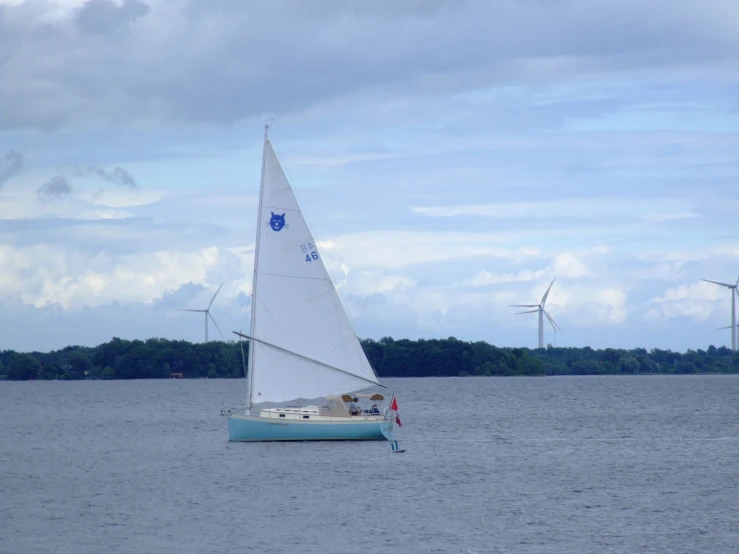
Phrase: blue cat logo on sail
pixel 277 222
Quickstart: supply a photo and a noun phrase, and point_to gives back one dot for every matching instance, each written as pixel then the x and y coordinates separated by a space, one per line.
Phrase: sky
pixel 452 158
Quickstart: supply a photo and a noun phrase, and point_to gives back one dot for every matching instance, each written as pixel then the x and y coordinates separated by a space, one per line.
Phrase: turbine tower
pixel 733 289
pixel 206 311
pixel 542 312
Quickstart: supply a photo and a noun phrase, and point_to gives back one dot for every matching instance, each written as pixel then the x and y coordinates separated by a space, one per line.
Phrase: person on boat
pixel 375 410
pixel 353 408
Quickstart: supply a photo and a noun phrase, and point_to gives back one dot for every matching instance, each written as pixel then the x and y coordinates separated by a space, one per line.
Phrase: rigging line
pixel 309 359
pixel 247 307
pixel 243 358
pixel 241 342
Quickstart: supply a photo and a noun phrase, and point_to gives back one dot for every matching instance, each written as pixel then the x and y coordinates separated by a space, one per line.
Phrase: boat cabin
pixel 354 404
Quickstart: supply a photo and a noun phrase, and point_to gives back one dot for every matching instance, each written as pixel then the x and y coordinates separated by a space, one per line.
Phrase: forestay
pixel 296 308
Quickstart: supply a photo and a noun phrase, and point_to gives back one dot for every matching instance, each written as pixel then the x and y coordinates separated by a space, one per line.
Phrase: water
pixel 565 464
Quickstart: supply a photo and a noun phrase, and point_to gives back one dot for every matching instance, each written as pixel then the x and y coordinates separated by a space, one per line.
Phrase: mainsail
pixel 304 345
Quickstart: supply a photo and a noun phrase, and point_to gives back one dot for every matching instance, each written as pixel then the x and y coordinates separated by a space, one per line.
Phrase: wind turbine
pixel 733 289
pixel 542 312
pixel 206 311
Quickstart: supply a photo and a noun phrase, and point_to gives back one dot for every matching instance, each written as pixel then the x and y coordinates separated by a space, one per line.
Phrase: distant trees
pixel 628 364
pixel 24 367
pixel 78 365
pixel 123 359
pixel 404 358
pixel 159 358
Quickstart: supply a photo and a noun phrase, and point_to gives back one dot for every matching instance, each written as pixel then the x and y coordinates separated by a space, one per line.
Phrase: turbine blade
pixel 523 305
pixel 717 283
pixel 214 323
pixel 554 324
pixel 180 310
pixel 544 298
pixel 529 312
pixel 214 296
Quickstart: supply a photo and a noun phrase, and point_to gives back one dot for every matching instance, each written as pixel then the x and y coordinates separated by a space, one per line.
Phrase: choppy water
pixel 566 464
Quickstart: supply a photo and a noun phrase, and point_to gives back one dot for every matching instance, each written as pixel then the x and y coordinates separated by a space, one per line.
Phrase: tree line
pixel 163 359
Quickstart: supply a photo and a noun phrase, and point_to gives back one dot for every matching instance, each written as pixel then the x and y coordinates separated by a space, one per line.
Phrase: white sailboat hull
pixel 255 428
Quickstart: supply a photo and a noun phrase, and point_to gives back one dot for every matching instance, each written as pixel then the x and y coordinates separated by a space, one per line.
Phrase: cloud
pixel 122 177
pixel 647 209
pixel 179 297
pixel 698 301
pixel 54 189
pixel 370 282
pixel 569 265
pixel 582 304
pixel 611 302
pixel 484 278
pixel 395 249
pixel 118 176
pixel 43 276
pixel 10 165
pixel 183 60
pixel 105 16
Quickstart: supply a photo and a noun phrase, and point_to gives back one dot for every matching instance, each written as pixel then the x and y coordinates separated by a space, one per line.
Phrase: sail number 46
pixel 309 249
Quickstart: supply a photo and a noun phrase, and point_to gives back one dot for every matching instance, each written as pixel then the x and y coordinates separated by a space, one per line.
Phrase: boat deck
pixel 313 413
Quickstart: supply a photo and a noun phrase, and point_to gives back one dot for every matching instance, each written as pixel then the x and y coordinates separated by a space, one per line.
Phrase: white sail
pixel 304 345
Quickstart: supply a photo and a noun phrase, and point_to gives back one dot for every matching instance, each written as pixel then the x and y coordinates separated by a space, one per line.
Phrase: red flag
pixel 394 407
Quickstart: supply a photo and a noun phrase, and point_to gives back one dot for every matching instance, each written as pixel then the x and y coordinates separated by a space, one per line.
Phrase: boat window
pixel 282 415
pixel 306 417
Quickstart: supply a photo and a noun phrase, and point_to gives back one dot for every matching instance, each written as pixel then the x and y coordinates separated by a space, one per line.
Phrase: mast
pixel 252 328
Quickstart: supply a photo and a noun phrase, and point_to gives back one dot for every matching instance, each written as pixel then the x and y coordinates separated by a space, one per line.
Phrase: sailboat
pixel 301 342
